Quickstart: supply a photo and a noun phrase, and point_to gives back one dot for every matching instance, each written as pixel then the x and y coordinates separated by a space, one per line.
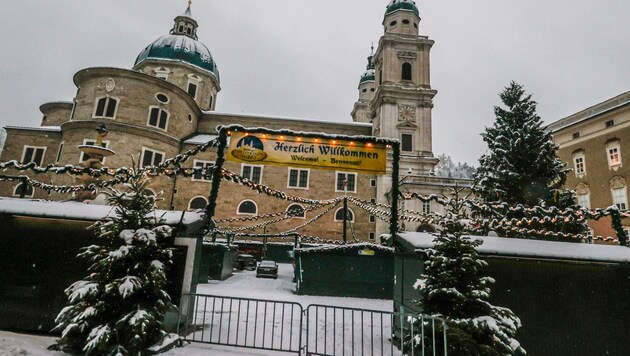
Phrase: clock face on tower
pixel 406 113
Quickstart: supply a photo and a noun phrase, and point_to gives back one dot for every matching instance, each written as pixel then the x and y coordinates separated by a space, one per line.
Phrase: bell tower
pixel 361 111
pixel 403 100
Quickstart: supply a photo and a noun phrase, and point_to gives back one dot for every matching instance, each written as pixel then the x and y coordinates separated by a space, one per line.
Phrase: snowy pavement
pixel 242 285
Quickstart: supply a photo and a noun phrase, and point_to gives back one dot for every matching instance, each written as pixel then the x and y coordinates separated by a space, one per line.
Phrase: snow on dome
pixel 403 5
pixel 368 76
pixel 180 48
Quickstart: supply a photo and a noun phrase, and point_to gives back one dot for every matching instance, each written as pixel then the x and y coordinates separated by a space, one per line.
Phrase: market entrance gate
pixel 317 330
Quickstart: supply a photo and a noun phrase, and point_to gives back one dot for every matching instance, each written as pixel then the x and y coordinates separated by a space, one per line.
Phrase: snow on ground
pixel 12 344
pixel 276 319
pixel 244 285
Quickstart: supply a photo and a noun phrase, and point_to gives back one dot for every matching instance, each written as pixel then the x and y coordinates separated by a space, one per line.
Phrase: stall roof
pixel 72 210
pixel 502 246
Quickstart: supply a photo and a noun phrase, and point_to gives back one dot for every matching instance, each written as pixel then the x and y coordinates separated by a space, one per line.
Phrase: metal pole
pixel 23 188
pixel 345 209
pixel 393 223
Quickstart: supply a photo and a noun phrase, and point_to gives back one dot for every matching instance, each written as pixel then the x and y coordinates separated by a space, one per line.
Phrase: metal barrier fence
pixel 350 331
pixel 251 323
pixel 328 330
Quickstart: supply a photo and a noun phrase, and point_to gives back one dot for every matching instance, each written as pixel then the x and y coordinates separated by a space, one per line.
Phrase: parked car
pixel 267 269
pixel 244 261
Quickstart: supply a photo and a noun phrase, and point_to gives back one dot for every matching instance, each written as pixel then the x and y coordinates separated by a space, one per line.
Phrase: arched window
pixel 106 107
pixel 619 191
pixel 17 191
pixel 339 215
pixel 158 117
pixel 247 207
pixel 406 71
pixel 197 203
pixel 296 211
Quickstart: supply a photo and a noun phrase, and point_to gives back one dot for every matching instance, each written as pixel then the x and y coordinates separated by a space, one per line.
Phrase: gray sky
pixel 304 58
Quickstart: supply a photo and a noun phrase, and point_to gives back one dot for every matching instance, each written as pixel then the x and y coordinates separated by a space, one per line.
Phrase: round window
pixel 393 23
pixel 406 22
pixel 189 118
pixel 161 98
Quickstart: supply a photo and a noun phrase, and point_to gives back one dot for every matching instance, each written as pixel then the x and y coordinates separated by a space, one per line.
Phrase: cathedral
pixel 165 105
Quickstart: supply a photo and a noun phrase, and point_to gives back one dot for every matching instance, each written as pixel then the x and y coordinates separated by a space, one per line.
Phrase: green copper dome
pixel 404 5
pixel 180 48
pixel 181 45
pixel 368 75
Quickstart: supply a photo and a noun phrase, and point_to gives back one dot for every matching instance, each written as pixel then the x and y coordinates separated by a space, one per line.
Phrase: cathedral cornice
pixel 115 127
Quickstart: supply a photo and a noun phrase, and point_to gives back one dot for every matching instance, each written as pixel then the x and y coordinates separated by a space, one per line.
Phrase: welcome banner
pixel 295 151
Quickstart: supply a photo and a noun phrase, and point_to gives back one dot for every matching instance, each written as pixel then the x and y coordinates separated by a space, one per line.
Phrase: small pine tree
pixel 455 288
pixel 521 167
pixel 119 307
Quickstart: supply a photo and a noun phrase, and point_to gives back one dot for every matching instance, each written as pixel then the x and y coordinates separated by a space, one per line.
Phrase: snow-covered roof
pixel 71 210
pixel 503 246
pixel 617 102
pixel 201 139
pixel 38 128
pixel 365 245
pixel 262 116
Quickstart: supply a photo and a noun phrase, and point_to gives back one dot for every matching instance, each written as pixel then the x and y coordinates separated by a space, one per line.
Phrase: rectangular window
pixel 202 175
pixel 372 218
pixel 158 118
pixel 407 142
pixel 576 135
pixel 579 165
pixel 620 198
pixel 151 157
pixel 373 183
pixel 192 89
pixel 298 178
pixel 84 156
pixel 351 180
pixel 614 158
pixel 584 200
pixel 372 236
pixel 252 172
pixel 426 207
pixel 33 154
pixel 59 152
pixel 609 123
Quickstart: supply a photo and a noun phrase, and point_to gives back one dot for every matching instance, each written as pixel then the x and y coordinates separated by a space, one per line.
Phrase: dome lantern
pixel 185 25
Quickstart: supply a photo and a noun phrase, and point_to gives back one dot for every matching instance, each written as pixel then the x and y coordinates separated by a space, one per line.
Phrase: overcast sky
pixel 304 58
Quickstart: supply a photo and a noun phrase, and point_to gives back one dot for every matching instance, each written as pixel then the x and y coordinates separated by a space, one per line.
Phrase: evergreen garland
pixel 119 307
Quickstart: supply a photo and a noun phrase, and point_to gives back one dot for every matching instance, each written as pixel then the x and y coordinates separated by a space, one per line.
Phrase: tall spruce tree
pixel 119 307
pixel 455 287
pixel 521 166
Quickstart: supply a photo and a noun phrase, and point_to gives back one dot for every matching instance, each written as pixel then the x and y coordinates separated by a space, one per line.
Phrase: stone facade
pixel 595 143
pixel 153 113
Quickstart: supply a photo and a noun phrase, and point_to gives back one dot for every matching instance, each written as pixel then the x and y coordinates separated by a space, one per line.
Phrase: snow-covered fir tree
pixel 454 287
pixel 447 168
pixel 119 307
pixel 522 167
